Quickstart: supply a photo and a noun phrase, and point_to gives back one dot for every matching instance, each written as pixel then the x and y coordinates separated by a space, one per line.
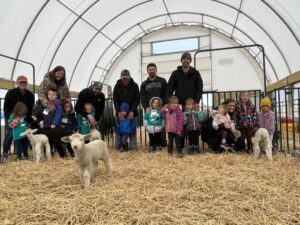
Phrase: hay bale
pixel 154 189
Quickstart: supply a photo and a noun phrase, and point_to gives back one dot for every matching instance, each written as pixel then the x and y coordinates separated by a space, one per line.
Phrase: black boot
pixel 191 150
pixel 170 149
pixel 196 150
pixel 179 152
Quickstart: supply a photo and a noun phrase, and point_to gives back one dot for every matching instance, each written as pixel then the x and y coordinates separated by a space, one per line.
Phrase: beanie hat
pixel 265 102
pixel 186 54
pixel 124 107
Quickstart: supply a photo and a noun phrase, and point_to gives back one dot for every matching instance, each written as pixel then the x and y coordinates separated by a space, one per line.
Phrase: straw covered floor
pixel 154 189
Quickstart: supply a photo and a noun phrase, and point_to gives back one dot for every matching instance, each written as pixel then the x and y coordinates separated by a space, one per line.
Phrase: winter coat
pixel 86 96
pixel 267 120
pixel 153 120
pixel 46 118
pixel 13 96
pixel 186 86
pixel 173 119
pixel 125 126
pixel 246 116
pixel 84 123
pixel 69 123
pixel 49 83
pixel 153 88
pixel 193 120
pixel 219 118
pixel 129 94
pixel 20 128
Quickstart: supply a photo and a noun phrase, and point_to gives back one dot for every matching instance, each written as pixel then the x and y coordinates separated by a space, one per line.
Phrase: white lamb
pixel 95 134
pixel 87 156
pixel 38 143
pixel 261 141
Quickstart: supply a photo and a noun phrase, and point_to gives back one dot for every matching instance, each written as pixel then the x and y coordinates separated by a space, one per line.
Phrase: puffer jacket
pixel 246 116
pixel 20 128
pixel 174 119
pixel 153 120
pixel 125 126
pixel 49 83
pixel 193 119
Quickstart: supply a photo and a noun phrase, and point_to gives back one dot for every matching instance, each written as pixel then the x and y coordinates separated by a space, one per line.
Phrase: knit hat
pixel 265 102
pixel 186 54
pixel 124 107
pixel 97 84
pixel 22 79
pixel 125 74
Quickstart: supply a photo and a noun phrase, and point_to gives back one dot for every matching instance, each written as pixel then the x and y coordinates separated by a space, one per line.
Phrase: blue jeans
pixel 22 147
pixel 7 139
pixel 123 140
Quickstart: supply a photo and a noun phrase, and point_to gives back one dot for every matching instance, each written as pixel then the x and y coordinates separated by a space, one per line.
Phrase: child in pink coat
pixel 173 116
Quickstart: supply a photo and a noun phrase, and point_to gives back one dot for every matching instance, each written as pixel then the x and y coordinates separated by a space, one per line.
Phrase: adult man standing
pixel 127 91
pixel 154 86
pixel 12 97
pixel 187 83
pixel 93 94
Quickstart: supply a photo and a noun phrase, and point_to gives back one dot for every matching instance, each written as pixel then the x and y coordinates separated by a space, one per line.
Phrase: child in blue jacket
pixel 125 128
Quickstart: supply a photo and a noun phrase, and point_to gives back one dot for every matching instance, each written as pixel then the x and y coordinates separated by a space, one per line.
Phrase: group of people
pixel 171 109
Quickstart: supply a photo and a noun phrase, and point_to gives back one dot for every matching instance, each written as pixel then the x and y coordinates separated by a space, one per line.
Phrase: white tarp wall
pixel 222 70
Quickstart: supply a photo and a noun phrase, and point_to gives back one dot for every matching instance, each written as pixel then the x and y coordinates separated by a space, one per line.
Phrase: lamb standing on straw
pixel 87 156
pixel 261 141
pixel 38 143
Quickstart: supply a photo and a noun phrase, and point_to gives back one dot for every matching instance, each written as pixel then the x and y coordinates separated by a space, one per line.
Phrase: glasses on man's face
pixel 22 82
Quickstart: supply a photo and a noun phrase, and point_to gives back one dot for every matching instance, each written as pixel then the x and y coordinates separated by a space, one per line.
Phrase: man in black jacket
pixel 154 86
pixel 127 91
pixel 93 94
pixel 12 97
pixel 187 83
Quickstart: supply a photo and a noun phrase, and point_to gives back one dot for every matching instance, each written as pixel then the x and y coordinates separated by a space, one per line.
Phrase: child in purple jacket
pixel 266 118
pixel 173 116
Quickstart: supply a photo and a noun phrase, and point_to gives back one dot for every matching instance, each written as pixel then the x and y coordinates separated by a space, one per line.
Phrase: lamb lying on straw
pixel 261 142
pixel 87 156
pixel 38 143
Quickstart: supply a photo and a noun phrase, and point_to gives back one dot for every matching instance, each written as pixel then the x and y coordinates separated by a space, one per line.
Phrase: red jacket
pixel 173 119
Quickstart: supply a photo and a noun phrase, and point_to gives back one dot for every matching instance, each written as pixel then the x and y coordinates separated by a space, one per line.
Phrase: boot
pixel 191 150
pixel 170 149
pixel 196 150
pixel 179 152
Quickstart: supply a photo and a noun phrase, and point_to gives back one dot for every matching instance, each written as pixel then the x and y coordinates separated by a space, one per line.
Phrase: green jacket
pixel 20 128
pixel 84 123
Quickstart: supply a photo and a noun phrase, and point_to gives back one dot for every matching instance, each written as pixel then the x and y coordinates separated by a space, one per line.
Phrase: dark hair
pixel 51 74
pixel 65 102
pixel 20 109
pixel 229 100
pixel 151 64
pixel 53 90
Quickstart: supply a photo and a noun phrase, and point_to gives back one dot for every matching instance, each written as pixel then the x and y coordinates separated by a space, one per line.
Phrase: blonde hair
pixel 173 99
pixel 189 101
pixel 240 97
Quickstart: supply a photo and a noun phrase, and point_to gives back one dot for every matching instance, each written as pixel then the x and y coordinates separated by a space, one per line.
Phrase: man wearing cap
pixel 93 94
pixel 127 91
pixel 12 97
pixel 187 83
